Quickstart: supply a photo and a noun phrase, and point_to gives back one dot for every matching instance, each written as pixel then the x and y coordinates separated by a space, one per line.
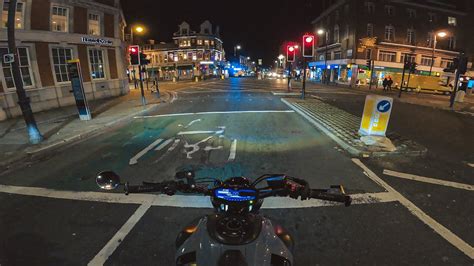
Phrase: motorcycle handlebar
pixel 324 195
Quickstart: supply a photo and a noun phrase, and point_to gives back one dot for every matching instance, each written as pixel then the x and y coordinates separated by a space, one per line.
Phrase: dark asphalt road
pixel 45 231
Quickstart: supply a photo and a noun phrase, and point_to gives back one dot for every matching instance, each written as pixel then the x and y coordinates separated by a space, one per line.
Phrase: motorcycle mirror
pixel 107 180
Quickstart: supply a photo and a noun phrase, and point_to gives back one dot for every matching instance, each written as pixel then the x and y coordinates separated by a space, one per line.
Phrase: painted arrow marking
pixel 135 158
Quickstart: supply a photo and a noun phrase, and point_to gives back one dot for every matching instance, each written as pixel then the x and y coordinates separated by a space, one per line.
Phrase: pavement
pixel 409 211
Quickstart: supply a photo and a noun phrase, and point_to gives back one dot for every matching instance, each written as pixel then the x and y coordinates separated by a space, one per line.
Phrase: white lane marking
pixel 164 144
pixel 135 158
pixel 216 113
pixel 115 241
pixel 174 96
pixel 471 164
pixel 429 180
pixel 417 212
pixel 194 147
pixel 175 144
pixel 233 151
pixel 193 122
pixel 182 201
pixel 285 93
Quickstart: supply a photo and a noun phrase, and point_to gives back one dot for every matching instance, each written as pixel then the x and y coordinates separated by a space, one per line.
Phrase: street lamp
pixel 321 32
pixel 137 29
pixel 440 34
pixel 237 47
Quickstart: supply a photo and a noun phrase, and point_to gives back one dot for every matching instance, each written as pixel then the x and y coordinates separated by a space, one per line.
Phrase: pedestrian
pixel 385 83
pixel 389 83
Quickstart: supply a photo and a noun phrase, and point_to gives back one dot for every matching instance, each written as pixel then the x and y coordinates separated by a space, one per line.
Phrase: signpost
pixel 376 115
pixel 75 75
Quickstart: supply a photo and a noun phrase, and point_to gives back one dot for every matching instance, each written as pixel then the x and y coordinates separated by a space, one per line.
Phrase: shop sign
pixel 98 41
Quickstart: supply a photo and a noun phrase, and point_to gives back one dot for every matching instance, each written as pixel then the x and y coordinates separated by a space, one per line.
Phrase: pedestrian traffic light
pixel 369 64
pixel 462 65
pixel 290 53
pixel 308 45
pixel 413 67
pixel 134 51
pixel 143 60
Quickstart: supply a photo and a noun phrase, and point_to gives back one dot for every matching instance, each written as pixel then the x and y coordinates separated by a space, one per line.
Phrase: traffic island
pixel 343 128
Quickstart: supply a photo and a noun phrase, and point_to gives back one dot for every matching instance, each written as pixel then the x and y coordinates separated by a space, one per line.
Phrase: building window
pixel 368 53
pixel 19 14
pixel 452 42
pixel 25 68
pixel 60 19
pixel 387 56
pixel 370 30
pixel 94 24
pixel 206 43
pixel 60 58
pixel 446 63
pixel 432 17
pixel 199 42
pixel 410 57
pixel 336 34
pixel 426 60
pixel 370 7
pixel 411 37
pixel 96 59
pixel 411 13
pixel 452 21
pixel 346 34
pixel 390 10
pixel 389 33
pixel 337 55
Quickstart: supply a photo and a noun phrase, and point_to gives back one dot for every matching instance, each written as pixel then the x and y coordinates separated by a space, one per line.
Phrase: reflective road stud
pixel 376 115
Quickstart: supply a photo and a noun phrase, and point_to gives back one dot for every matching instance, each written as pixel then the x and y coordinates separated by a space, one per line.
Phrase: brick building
pixel 192 53
pixel 51 32
pixel 386 31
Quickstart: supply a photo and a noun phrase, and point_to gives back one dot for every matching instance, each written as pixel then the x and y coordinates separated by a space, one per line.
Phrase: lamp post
pixel 34 134
pixel 237 47
pixel 321 32
pixel 440 34
pixel 139 30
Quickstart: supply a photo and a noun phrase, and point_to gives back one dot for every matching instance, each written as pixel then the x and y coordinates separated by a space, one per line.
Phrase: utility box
pixel 377 111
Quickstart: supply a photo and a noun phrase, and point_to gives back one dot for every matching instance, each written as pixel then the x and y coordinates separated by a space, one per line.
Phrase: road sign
pixel 75 75
pixel 8 58
pixel 376 115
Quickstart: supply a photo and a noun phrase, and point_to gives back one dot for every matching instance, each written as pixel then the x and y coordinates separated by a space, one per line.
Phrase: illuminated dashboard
pixel 235 195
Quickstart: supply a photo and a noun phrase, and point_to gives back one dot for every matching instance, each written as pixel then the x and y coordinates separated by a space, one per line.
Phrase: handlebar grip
pixel 140 189
pixel 322 195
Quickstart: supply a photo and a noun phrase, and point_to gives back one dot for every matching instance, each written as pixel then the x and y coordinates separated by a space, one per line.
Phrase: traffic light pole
pixel 34 134
pixel 455 89
pixel 403 77
pixel 371 74
pixel 303 89
pixel 141 85
pixel 289 76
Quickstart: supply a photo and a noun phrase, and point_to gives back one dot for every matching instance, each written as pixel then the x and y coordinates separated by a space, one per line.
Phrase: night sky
pixel 259 26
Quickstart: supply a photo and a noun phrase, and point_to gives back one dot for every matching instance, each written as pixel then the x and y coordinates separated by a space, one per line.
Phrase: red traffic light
pixel 134 55
pixel 133 50
pixel 290 53
pixel 308 45
pixel 291 48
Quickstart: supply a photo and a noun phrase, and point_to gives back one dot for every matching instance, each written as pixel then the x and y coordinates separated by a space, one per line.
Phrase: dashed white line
pixel 164 144
pixel 429 180
pixel 417 212
pixel 233 151
pixel 135 158
pixel 113 243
